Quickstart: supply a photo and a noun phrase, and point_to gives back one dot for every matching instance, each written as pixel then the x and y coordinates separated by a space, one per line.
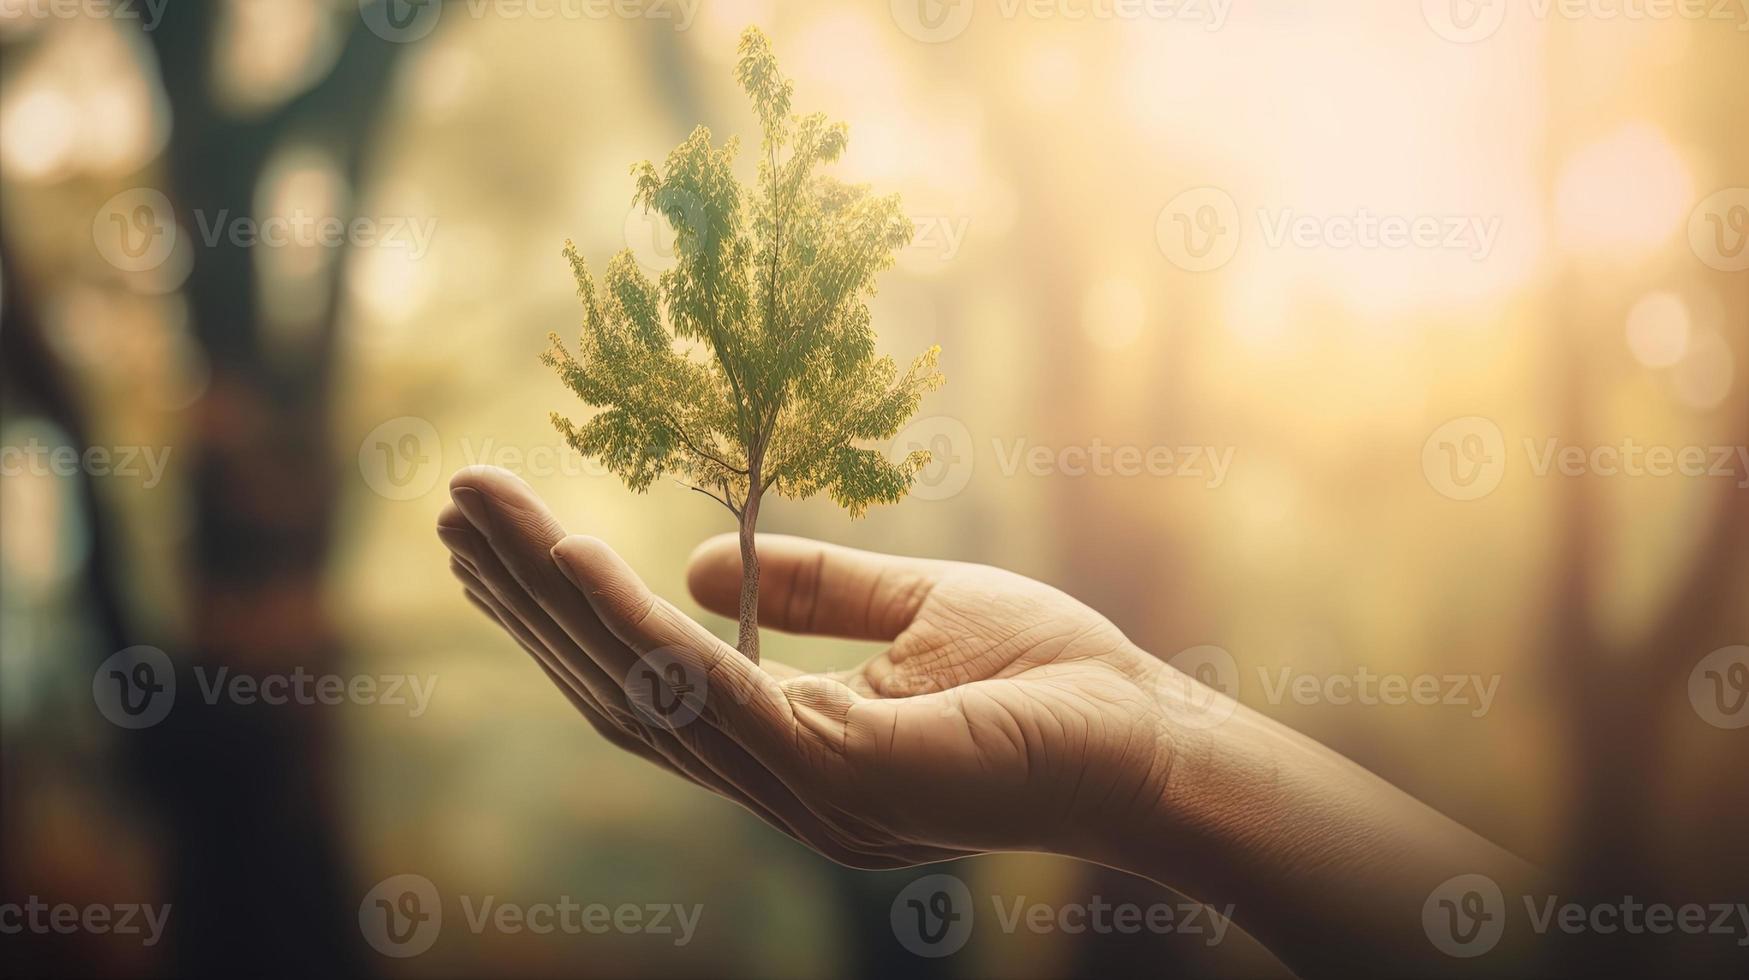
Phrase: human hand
pixel 1001 715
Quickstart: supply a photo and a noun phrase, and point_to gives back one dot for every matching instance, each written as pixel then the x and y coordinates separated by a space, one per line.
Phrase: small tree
pixel 750 365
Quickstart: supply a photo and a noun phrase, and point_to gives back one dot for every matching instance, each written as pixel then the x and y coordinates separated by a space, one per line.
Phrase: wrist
pixel 1161 805
pixel 1301 843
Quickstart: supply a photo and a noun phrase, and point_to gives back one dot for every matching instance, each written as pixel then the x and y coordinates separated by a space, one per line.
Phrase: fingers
pixel 516 522
pixel 812 587
pixel 599 620
pixel 660 748
pixel 614 734
pixel 505 532
pixel 742 700
pixel 509 532
pixel 482 596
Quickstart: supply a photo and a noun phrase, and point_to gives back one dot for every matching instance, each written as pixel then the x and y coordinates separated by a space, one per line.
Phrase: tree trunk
pixel 748 641
pixel 749 611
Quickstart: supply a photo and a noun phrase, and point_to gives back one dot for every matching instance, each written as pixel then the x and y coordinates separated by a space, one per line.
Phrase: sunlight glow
pixel 1704 377
pixel 37 132
pixel 1623 195
pixel 1658 329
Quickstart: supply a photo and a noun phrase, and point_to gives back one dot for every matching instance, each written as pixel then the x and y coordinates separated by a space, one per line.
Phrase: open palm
pixel 1000 714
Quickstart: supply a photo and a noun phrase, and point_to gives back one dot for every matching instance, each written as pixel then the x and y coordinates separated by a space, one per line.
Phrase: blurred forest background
pixel 314 398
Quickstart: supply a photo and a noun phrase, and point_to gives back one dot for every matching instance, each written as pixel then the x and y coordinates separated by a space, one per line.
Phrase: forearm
pixel 1328 865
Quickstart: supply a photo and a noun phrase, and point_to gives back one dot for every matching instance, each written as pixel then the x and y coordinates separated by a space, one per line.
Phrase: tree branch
pixel 720 500
pixel 675 425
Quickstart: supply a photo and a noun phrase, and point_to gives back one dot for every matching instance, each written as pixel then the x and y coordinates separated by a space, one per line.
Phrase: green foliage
pixel 750 365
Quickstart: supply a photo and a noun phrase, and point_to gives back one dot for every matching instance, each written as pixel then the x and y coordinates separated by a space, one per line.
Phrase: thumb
pixel 809 586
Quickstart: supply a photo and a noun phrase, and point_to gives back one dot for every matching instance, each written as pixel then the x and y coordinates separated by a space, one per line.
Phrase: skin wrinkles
pixel 1000 714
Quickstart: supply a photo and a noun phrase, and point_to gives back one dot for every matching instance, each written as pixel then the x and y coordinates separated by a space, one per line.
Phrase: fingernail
pixel 473 506
pixel 565 569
